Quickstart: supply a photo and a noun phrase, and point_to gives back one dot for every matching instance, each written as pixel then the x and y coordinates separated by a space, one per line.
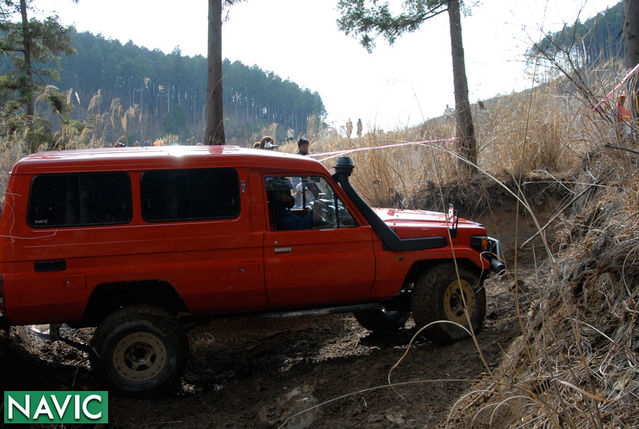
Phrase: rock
pixel 288 405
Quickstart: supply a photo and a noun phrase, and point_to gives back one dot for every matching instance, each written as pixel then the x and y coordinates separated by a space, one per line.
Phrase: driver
pixel 280 200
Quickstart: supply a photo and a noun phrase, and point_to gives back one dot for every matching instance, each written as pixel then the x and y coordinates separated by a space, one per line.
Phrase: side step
pixel 320 311
pixel 53 334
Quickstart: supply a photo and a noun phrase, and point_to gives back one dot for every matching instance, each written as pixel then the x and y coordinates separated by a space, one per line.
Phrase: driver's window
pixel 305 202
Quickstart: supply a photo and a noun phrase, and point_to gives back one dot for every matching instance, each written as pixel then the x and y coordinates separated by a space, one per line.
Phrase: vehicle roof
pixel 162 157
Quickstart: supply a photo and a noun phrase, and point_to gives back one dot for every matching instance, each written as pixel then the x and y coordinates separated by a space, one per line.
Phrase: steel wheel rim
pixel 139 356
pixel 454 303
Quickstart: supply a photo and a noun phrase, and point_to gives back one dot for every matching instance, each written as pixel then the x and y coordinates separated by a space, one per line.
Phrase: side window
pixel 305 202
pixel 79 199
pixel 193 194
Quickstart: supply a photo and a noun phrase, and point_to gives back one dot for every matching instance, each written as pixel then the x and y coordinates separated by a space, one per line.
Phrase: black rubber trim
pixel 390 240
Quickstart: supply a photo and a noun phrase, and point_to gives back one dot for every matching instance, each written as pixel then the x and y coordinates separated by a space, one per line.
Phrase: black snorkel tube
pixel 389 238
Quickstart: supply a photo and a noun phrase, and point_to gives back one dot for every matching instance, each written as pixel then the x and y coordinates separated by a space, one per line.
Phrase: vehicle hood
pixel 423 223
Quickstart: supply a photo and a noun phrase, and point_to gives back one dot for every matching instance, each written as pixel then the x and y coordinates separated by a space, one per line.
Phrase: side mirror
pixel 452 219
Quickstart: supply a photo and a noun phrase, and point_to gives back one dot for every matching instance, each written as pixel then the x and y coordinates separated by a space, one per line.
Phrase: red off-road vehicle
pixel 137 240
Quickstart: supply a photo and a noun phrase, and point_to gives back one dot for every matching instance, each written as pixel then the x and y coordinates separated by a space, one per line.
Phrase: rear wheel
pixel 382 319
pixel 141 350
pixel 439 295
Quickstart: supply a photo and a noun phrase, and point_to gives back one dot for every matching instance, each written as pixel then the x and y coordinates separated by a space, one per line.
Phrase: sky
pixel 392 88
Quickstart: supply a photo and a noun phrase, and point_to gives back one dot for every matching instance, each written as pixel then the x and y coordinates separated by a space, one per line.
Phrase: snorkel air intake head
pixel 344 166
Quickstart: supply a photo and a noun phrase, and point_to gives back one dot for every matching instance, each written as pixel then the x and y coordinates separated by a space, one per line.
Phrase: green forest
pixel 598 38
pixel 92 90
pixel 167 93
pixel 135 95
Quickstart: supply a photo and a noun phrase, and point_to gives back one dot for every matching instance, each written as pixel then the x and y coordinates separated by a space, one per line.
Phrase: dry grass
pixel 577 361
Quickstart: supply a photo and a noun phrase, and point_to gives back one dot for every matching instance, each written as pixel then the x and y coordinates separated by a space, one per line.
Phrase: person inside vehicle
pixel 281 201
pixel 304 191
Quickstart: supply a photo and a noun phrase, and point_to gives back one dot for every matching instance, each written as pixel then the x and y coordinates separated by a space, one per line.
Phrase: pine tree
pixel 368 18
pixel 34 47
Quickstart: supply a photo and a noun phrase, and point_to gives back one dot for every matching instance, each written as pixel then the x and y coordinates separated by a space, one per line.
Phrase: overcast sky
pixel 391 88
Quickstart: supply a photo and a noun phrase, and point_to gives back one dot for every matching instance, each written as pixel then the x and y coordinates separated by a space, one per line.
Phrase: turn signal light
pixel 479 242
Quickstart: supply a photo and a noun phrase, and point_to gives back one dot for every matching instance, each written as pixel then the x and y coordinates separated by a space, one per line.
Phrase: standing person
pixel 359 128
pixel 623 113
pixel 298 186
pixel 349 129
pixel 623 116
pixel 302 146
pixel 290 135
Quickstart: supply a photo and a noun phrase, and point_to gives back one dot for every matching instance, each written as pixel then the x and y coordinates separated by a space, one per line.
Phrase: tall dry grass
pixel 517 135
pixel 576 363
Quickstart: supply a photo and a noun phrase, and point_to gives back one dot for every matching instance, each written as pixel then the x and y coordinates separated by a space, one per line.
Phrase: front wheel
pixel 141 350
pixel 439 295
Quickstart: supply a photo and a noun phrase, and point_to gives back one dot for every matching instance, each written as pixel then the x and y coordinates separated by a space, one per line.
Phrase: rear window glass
pixel 79 199
pixel 194 194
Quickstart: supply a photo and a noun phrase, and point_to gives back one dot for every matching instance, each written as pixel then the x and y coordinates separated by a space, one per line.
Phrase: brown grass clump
pixel 577 363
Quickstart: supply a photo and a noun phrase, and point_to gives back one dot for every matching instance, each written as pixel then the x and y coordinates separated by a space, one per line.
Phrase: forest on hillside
pixel 170 91
pixel 133 94
pixel 598 38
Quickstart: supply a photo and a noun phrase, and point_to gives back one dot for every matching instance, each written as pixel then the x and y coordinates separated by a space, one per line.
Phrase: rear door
pixel 323 258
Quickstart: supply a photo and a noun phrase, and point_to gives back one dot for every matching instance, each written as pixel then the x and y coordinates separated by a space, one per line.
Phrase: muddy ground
pixel 250 372
pixel 259 373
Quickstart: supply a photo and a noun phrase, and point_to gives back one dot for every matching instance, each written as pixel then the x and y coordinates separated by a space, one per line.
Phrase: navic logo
pixel 56 407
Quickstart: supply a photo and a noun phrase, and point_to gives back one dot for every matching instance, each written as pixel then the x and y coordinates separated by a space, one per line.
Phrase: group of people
pixel 268 143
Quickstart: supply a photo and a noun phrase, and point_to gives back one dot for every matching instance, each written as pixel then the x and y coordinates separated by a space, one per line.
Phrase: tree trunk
pixel 27 87
pixel 465 127
pixel 631 42
pixel 214 116
pixel 631 32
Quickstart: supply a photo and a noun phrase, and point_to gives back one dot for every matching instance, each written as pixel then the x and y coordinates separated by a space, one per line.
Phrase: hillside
pixel 157 94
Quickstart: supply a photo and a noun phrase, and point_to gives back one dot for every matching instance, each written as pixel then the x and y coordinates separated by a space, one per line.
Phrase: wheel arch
pixel 420 267
pixel 108 297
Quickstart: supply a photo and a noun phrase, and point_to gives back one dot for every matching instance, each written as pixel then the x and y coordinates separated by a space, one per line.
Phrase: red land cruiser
pixel 137 240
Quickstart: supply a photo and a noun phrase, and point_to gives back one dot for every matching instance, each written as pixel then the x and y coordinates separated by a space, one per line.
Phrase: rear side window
pixel 194 194
pixel 80 199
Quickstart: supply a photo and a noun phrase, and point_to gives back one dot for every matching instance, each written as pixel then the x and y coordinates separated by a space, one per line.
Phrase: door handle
pixel 283 249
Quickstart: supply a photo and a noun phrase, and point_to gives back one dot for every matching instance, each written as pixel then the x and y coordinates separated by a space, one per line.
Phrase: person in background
pixel 623 113
pixel 290 135
pixel 302 147
pixel 623 117
pixel 267 143
pixel 359 128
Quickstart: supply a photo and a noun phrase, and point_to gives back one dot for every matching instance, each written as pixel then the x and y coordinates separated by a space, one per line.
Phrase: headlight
pixel 479 242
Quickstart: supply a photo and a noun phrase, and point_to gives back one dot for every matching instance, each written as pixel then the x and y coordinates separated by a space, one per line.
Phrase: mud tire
pixel 140 350
pixel 436 296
